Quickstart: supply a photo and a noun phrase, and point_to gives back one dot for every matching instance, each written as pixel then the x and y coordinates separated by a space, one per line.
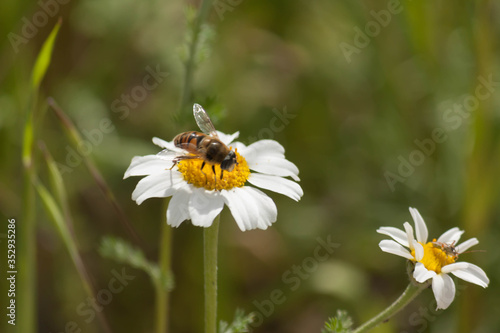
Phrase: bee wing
pixel 203 120
pixel 181 149
pixel 169 154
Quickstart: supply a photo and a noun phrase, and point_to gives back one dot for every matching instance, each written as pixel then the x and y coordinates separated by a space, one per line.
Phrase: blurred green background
pixel 365 85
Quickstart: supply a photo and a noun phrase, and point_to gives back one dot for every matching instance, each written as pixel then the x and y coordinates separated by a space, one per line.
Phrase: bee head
pixel 229 161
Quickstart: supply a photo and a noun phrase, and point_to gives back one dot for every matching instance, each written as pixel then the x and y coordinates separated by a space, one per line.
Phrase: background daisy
pixel 434 260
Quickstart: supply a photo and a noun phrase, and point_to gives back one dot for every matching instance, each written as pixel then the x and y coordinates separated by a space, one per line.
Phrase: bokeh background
pixel 361 85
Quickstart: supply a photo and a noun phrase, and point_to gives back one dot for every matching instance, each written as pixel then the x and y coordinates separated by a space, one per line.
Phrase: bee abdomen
pixel 190 140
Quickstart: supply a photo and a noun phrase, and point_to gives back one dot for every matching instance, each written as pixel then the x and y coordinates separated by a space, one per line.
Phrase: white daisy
pixel 434 260
pixel 200 195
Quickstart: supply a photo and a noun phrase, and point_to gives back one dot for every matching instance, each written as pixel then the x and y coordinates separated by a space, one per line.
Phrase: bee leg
pixel 202 166
pixel 221 173
pixel 215 175
pixel 174 161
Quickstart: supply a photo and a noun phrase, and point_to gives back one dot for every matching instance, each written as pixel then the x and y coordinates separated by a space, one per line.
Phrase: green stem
pixel 210 237
pixel 408 295
pixel 27 259
pixel 27 230
pixel 162 295
pixel 188 75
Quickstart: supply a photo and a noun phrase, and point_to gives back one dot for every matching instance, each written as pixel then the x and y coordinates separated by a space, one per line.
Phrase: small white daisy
pixel 200 196
pixel 434 260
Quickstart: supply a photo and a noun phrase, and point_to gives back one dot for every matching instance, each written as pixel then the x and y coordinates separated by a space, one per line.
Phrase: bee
pixel 205 146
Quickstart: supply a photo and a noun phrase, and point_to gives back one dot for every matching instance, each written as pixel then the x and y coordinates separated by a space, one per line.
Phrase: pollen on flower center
pixel 436 257
pixel 193 174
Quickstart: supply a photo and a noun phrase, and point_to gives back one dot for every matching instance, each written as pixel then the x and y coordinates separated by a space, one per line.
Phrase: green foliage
pixel 121 251
pixel 240 323
pixel 341 323
pixel 27 249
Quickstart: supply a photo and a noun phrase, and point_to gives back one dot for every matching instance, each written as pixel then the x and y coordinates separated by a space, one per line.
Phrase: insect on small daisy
pixel 434 260
pixel 203 171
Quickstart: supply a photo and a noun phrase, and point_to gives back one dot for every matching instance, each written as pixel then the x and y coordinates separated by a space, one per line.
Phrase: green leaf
pixel 44 57
pixel 341 323
pixel 240 323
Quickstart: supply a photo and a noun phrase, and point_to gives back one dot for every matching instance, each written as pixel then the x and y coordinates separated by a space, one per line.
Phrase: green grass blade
pixel 27 237
pixel 56 215
pixel 44 57
pixel 77 141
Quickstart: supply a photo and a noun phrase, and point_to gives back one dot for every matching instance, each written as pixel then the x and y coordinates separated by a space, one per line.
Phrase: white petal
pixel 275 166
pixel 227 138
pixel 419 250
pixel 397 234
pixel 422 274
pixel 468 272
pixel 268 156
pixel 204 206
pixel 392 247
pixel 146 165
pixel 243 209
pixel 250 207
pixel 236 145
pixel 420 227
pixel 277 184
pixel 159 185
pixel 409 235
pixel 178 208
pixel 452 267
pixel 444 290
pixel 466 245
pixel 268 212
pixel 266 147
pixel 451 236
pixel 162 143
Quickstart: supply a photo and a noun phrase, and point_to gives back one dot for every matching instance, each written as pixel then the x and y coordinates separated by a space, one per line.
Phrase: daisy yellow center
pixel 193 174
pixel 435 257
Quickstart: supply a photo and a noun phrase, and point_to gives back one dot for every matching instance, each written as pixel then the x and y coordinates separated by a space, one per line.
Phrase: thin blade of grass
pixel 44 57
pixel 57 185
pixel 27 235
pixel 77 141
pixel 56 215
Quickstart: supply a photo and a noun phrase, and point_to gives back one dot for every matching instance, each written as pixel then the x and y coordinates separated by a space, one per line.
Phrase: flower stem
pixel 210 236
pixel 162 295
pixel 408 295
